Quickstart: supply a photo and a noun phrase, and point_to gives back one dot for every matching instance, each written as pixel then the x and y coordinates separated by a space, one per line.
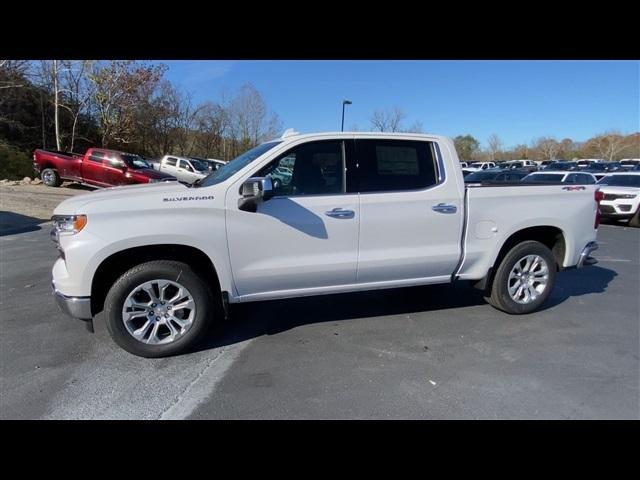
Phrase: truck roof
pixel 291 135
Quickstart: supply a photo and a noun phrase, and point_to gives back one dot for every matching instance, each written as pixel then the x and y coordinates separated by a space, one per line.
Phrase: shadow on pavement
pixel 583 281
pixel 255 319
pixel 13 223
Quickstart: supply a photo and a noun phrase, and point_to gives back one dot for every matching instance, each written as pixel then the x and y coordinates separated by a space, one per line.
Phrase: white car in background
pixel 477 166
pixel 621 198
pixel 578 178
pixel 629 163
pixel 185 169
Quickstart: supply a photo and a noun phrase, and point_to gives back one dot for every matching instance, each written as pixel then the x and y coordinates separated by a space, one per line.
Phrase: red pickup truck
pixel 98 167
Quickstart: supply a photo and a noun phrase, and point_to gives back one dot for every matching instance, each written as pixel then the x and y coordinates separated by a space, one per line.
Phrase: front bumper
pixel 585 258
pixel 76 307
pixel 617 209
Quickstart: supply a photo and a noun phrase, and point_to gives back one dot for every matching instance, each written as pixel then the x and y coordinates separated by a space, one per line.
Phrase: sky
pixel 517 100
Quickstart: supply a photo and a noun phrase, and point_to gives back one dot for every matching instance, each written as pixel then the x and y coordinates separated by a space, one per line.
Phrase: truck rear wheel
pixel 524 278
pixel 158 309
pixel 50 177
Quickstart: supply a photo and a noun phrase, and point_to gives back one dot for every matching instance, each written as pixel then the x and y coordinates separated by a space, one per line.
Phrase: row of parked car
pixel 619 181
pixel 597 167
pixel 101 167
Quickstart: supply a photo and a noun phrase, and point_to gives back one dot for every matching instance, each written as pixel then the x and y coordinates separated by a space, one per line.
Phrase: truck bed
pixel 494 212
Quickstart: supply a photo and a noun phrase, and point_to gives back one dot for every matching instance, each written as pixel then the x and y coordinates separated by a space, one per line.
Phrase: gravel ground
pixel 24 206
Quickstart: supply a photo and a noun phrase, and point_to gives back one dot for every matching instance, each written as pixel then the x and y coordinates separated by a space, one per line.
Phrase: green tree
pixel 466 146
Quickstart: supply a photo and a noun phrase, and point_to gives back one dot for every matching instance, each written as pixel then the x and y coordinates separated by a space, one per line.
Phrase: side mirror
pixel 254 191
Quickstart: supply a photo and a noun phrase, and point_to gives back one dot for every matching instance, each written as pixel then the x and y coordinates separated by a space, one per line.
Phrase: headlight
pixel 70 224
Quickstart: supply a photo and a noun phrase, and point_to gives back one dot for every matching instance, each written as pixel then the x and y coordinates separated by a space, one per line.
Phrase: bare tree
pixel 210 124
pixel 521 151
pixel 117 85
pixel 609 144
pixel 13 71
pixel 415 127
pixel 495 146
pixel 250 122
pixel 389 120
pixel 78 89
pixel 547 148
pixel 47 75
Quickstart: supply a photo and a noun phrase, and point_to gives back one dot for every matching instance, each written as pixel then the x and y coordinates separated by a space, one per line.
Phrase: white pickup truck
pixel 358 211
pixel 187 170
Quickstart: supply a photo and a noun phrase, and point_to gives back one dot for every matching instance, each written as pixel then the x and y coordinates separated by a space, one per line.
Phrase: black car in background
pixel 566 166
pixel 546 163
pixel 599 170
pixel 491 175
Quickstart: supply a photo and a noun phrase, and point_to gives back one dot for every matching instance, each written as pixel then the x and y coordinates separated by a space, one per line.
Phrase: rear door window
pixel 573 178
pixel 587 179
pixel 394 165
pixel 172 162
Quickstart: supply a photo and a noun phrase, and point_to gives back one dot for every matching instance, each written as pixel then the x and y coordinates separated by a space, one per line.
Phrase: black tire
pixel 499 296
pixel 50 177
pixel 205 311
pixel 635 220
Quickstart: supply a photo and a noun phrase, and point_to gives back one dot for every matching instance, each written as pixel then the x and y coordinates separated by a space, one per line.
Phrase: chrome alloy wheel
pixel 158 312
pixel 528 279
pixel 48 177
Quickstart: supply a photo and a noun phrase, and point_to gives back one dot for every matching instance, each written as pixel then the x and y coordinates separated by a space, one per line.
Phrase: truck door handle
pixel 444 208
pixel 340 213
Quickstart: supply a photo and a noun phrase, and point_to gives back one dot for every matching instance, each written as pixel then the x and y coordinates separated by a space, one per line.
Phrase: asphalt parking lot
pixel 429 352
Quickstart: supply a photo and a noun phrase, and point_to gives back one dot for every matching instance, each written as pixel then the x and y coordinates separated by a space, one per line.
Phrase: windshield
pixel 237 164
pixel 199 165
pixel 621 180
pixel 476 165
pixel 134 161
pixel 597 166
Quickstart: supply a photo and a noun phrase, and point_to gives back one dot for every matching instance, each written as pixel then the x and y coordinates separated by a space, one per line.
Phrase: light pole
pixel 344 102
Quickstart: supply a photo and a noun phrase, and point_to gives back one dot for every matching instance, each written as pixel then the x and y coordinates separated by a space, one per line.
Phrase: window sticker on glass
pixel 393 160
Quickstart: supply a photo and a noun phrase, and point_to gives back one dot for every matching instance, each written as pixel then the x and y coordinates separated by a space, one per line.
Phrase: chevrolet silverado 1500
pixel 358 211
pixel 98 167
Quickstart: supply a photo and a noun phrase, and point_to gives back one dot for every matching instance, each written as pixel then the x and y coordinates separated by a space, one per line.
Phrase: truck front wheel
pixel 50 177
pixel 158 309
pixel 524 278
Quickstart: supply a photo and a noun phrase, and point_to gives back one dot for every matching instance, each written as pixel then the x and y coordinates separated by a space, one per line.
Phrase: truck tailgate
pixel 494 213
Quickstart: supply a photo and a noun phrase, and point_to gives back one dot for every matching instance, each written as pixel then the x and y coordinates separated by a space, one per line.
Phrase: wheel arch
pixel 551 236
pixel 112 267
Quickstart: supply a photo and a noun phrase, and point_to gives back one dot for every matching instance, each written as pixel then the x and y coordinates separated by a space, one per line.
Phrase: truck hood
pixel 619 190
pixel 130 195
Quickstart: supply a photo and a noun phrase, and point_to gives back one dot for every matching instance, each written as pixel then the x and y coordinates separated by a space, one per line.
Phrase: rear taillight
pixel 598 197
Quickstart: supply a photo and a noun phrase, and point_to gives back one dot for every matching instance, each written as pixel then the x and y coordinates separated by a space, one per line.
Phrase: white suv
pixel 621 198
